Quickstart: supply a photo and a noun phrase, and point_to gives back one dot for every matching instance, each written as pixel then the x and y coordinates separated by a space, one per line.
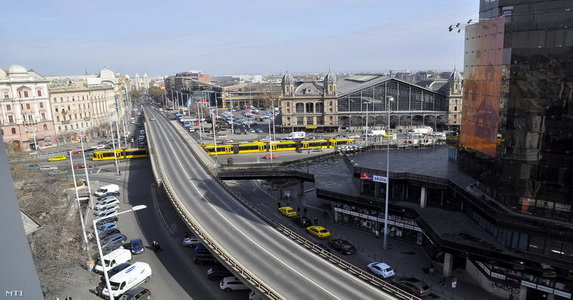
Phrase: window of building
pixel 319 107
pixel 41 104
pixel 27 105
pixel 300 121
pixel 300 108
pixel 6 95
pixel 39 93
pixel 61 99
pixel 45 127
pixel 319 121
pixel 309 121
pixel 8 107
pixel 43 116
pixel 310 107
pixel 13 130
pixel 58 118
pixel 11 119
pixel 26 94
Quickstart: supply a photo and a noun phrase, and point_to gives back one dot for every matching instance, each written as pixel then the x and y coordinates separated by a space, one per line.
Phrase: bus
pixel 120 154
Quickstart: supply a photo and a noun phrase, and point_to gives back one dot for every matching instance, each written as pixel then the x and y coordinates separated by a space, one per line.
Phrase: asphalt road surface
pixel 292 271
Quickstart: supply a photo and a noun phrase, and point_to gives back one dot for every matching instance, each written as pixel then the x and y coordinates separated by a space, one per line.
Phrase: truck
pixel 421 130
pixel 296 135
pixel 377 132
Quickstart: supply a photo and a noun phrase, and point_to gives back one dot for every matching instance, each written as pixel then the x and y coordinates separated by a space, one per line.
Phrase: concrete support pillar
pixel 448 264
pixel 423 197
pixel 522 293
pixel 550 296
pixel 301 188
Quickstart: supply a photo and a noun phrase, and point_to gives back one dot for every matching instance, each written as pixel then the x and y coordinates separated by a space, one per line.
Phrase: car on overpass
pixel 381 269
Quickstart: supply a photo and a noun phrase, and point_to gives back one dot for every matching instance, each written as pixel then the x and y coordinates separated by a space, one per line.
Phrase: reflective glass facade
pixel 517 128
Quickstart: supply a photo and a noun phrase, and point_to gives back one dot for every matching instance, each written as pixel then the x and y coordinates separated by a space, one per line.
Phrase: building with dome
pixel 309 105
pixel 25 111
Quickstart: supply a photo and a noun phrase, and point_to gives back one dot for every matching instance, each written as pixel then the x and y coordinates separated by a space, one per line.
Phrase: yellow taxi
pixel 288 211
pixel 318 231
pixel 57 158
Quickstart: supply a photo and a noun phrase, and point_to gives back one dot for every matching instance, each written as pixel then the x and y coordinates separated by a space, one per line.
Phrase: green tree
pixel 156 93
pixel 135 94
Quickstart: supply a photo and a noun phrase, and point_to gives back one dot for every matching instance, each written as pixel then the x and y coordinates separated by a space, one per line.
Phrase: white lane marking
pixel 174 154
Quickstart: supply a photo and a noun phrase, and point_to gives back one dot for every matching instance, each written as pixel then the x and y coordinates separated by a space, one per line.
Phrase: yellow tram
pixel 120 154
pixel 263 146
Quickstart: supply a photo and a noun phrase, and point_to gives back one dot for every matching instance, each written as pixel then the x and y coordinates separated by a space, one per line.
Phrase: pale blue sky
pixel 60 37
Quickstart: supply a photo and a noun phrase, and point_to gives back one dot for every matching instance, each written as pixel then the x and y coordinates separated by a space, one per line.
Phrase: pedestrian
pixel 90 264
pixel 279 204
pixel 316 221
pixel 186 234
pixel 442 281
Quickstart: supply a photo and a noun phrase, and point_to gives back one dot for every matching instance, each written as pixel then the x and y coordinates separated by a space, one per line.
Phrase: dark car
pixel 106 220
pixel 413 285
pixel 218 272
pixel 342 246
pixel 113 242
pixel 136 246
pixel 136 293
pixel 203 256
pixel 109 232
pixel 115 270
pixel 302 221
pixel 115 194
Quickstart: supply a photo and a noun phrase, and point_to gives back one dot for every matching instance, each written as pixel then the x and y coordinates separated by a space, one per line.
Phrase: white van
pixel 127 279
pixel 106 189
pixel 113 259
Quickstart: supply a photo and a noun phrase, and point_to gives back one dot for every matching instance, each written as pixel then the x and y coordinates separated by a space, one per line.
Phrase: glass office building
pixel 516 136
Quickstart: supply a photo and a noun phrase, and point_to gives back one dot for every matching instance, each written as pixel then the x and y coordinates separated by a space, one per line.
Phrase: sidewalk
pixel 406 259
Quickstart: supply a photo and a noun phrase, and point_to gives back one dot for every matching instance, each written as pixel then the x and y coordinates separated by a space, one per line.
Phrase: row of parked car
pixel 202 256
pixel 382 269
pixel 124 277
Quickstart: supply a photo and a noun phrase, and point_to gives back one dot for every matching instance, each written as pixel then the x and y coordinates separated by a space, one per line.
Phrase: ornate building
pixel 309 105
pixel 81 105
pixel 25 113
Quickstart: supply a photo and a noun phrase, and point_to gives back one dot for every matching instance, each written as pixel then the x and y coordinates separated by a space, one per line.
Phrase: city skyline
pixel 224 37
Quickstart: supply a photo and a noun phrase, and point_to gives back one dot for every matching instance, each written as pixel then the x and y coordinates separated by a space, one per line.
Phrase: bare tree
pixel 57 246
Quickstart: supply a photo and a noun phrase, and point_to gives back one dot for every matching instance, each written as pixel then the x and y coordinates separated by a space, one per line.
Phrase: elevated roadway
pixel 274 264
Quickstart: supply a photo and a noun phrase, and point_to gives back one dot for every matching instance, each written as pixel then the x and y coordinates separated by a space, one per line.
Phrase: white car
pixel 191 241
pixel 382 269
pixel 104 213
pixel 232 283
pixel 107 200
pixel 106 206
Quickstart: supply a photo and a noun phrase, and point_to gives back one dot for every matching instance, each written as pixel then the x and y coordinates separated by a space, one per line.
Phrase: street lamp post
pixel 79 206
pixel 114 149
pixel 82 136
pixel 107 282
pixel 366 139
pixel 389 99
